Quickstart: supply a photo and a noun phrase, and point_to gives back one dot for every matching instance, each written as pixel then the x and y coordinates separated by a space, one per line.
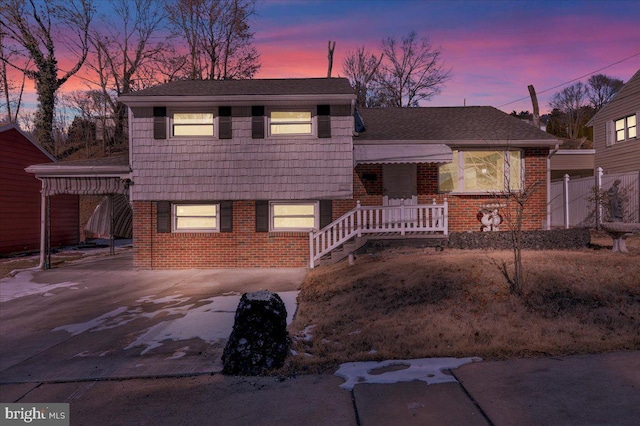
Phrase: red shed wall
pixel 20 199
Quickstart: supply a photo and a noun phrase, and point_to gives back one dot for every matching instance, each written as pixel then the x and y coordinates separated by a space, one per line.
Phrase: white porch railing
pixel 363 220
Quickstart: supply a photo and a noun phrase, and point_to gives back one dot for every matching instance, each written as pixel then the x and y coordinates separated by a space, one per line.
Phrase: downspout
pixel 551 154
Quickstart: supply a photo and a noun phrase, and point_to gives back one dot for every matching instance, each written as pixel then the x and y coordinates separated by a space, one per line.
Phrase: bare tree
pixel 517 202
pixel 572 102
pixel 513 202
pixel 91 108
pixel 360 67
pixel 13 101
pixel 218 37
pixel 601 89
pixel 122 48
pixel 413 71
pixel 169 65
pixel 37 29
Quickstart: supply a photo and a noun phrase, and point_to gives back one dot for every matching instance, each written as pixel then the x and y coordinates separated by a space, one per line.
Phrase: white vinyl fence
pixel 572 202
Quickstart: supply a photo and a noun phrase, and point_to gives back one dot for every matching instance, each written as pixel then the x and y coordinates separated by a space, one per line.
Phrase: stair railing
pixel 364 220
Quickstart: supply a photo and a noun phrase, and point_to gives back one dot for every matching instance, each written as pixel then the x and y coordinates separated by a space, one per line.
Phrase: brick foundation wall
pixel 462 208
pixel 238 249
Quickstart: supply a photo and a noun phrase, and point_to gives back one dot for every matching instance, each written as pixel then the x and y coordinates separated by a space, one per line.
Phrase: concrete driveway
pixel 102 318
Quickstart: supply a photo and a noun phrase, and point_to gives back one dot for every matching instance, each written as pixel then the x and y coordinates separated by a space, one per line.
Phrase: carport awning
pixel 402 153
pixel 84 185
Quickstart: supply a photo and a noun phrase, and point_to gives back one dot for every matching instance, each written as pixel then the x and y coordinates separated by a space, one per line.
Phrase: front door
pixel 399 181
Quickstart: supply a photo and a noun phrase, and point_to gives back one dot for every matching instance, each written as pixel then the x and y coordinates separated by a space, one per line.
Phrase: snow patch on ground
pixel 211 321
pixel 429 370
pixel 21 286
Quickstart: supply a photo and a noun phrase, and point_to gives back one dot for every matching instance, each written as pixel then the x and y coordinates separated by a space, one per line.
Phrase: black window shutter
pixel 163 217
pixel 224 123
pixel 262 216
pixel 257 122
pixel 326 213
pixel 324 121
pixel 226 216
pixel 159 123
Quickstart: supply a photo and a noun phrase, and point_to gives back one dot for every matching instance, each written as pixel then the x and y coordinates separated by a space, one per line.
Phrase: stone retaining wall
pixel 558 239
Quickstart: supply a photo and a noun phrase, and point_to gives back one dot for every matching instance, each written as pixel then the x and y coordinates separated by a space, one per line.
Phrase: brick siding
pixel 246 248
pixel 462 208
pixel 242 248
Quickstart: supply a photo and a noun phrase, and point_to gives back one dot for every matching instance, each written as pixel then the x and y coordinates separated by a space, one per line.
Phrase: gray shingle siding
pixel 242 168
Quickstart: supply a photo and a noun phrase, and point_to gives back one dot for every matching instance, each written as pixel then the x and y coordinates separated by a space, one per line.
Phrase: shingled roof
pixel 446 124
pixel 282 86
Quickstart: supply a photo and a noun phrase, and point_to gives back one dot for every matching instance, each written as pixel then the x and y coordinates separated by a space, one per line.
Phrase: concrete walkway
pixel 73 340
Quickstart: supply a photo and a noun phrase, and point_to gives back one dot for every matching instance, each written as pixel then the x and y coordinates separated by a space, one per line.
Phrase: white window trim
pixel 614 135
pixel 488 191
pixel 174 218
pixel 316 219
pixel 314 125
pixel 171 113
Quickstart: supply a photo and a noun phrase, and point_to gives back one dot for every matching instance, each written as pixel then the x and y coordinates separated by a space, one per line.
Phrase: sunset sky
pixel 495 49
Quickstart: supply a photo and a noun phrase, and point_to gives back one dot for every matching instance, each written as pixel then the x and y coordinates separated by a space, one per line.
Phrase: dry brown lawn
pixel 416 303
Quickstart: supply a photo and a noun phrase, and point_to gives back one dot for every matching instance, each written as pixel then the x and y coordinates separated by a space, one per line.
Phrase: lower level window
pixel 482 171
pixel 288 216
pixel 195 217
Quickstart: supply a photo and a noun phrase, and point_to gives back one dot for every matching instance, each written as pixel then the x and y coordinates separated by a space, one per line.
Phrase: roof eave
pixel 525 143
pixel 229 100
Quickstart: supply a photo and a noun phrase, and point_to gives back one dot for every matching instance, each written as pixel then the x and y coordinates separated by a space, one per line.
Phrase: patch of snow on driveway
pixel 21 286
pixel 210 322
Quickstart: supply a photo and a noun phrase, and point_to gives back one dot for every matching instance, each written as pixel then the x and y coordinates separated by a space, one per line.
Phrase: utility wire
pixel 575 79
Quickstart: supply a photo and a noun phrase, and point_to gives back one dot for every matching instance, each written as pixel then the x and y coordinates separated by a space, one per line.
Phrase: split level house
pixel 285 172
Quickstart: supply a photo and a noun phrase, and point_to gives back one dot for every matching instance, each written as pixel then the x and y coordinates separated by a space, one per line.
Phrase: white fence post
pixel 359 219
pixel 446 216
pixel 311 253
pixel 566 201
pixel 402 217
pixel 599 212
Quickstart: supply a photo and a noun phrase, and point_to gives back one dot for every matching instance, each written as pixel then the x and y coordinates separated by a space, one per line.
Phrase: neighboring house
pixel 615 131
pixel 20 197
pixel 577 163
pixel 248 173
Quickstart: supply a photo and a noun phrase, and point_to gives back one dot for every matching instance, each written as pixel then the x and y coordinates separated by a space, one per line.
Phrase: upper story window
pixel 482 171
pixel 290 123
pixel 192 124
pixel 626 128
pixel 195 217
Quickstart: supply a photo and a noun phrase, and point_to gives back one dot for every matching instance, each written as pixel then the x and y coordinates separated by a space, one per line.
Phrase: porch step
pixel 343 251
pixel 377 242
